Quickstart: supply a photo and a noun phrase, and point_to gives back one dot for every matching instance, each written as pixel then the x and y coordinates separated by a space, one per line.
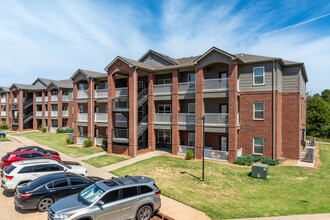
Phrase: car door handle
pixel 51 190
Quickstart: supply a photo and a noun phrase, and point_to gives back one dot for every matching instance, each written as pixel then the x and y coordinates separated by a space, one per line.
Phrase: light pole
pixel 203 118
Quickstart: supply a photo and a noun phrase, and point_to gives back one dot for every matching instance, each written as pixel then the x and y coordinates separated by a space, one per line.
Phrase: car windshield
pixel 6 156
pixel 10 169
pixel 90 194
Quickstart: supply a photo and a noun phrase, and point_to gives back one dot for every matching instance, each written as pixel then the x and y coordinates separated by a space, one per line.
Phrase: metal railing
pixel 82 94
pixel 120 133
pixel 187 87
pixel 52 129
pixel 3 100
pixel 39 99
pixel 101 117
pixel 216 118
pixel 120 104
pixel 54 98
pixel 101 93
pixel 54 113
pixel 183 149
pixel 65 98
pixel 163 89
pixel 39 113
pixel 163 118
pixel 82 117
pixel 15 100
pixel 216 155
pixel 187 118
pixel 219 84
pixel 121 120
pixel 65 113
pixel 98 141
pixel 121 91
pixel 80 140
pixel 3 113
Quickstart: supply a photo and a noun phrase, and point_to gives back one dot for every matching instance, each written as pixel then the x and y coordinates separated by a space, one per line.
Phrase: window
pixel 40 168
pixel 81 131
pixel 54 93
pixel 223 143
pixel 54 108
pixel 50 185
pixel 258 76
pixel 129 192
pixel 191 139
pixel 81 86
pixel 165 108
pixel 77 181
pixel 96 132
pixel 111 197
pixel 192 77
pixel 54 123
pixel 55 167
pixel 191 108
pixel 258 145
pixel 259 108
pixel 145 189
pixel 164 81
pixel 60 183
pixel 24 156
pixel 26 169
pixel 223 75
pixel 34 155
pixel 164 135
pixel 81 109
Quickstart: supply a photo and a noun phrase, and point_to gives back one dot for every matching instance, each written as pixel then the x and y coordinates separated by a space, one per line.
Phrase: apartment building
pixel 234 104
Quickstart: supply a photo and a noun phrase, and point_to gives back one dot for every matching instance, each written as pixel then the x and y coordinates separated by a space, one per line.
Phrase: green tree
pixel 317 116
pixel 325 95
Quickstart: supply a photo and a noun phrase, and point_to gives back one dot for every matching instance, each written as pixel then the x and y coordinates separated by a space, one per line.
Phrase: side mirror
pixel 100 203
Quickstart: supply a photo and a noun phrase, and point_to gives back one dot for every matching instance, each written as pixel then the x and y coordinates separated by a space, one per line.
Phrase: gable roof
pixel 65 84
pixel 167 58
pixel 27 87
pixel 131 63
pixel 217 50
pixel 4 89
pixel 43 81
pixel 89 74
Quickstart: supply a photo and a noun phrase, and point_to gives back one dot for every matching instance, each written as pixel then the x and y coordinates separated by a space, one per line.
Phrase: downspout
pixel 274 133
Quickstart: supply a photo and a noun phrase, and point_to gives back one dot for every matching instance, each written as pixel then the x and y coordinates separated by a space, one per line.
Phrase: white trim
pixel 263 146
pixel 254 110
pixel 263 74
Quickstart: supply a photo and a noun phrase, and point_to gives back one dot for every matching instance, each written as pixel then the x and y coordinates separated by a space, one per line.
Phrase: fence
pixel 215 84
pixel 164 118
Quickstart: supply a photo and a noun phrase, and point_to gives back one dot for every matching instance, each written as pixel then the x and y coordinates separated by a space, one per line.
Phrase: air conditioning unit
pixel 259 170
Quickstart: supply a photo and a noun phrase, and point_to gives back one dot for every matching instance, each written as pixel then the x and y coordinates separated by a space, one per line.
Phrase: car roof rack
pixel 118 181
pixel 132 178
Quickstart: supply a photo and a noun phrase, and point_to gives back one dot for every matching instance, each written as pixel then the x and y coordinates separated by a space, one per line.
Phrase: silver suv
pixel 129 197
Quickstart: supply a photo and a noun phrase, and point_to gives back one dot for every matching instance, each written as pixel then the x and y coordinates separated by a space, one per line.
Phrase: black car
pixel 43 192
pixel 37 148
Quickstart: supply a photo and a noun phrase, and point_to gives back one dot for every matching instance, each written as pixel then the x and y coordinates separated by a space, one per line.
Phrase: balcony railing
pixel 54 98
pixel 15 100
pixel 187 87
pixel 82 117
pixel 121 120
pixel 211 85
pixel 53 129
pixel 82 94
pixel 54 113
pixel 15 121
pixel 98 141
pixel 121 91
pixel 216 119
pixel 80 140
pixel 101 93
pixel 187 118
pixel 163 89
pixel 183 149
pixel 3 114
pixel 163 118
pixel 39 99
pixel 101 117
pixel 216 155
pixel 65 113
pixel 120 135
pixel 65 98
pixel 39 113
pixel 120 104
pixel 3 100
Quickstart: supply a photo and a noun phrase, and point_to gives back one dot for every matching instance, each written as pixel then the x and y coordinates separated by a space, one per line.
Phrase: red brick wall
pixel 102 131
pixel 290 125
pixel 232 112
pixel 212 140
pixel 302 118
pixel 119 149
pixel 143 151
pixel 278 124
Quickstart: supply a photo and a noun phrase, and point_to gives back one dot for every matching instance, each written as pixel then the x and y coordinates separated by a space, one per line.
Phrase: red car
pixel 12 157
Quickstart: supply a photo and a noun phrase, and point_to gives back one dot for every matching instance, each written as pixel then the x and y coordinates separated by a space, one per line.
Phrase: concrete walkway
pixel 92 155
pixel 133 160
pixel 325 216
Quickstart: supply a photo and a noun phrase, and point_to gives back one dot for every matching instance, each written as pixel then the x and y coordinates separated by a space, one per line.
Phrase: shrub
pixel 189 155
pixel 105 143
pixel 43 129
pixel 58 130
pixel 4 126
pixel 88 142
pixel 69 140
pixel 67 130
pixel 250 159
pixel 270 161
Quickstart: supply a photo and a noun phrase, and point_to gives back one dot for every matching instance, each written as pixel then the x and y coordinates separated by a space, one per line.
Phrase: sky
pixel 52 39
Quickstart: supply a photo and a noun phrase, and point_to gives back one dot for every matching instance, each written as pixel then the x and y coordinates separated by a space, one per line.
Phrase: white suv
pixel 28 170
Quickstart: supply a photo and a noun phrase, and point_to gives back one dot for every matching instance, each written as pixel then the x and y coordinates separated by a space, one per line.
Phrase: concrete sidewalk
pixel 325 216
pixel 92 156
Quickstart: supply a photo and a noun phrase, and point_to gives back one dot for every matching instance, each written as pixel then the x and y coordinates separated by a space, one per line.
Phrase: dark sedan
pixel 43 192
pixel 37 148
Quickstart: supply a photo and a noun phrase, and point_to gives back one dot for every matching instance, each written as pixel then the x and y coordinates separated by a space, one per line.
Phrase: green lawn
pixel 228 191
pixel 4 139
pixel 6 131
pixel 104 160
pixel 57 142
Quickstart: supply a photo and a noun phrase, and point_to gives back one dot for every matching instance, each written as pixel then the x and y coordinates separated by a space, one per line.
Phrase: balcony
pixel 82 117
pixel 120 135
pixel 54 113
pixel 15 121
pixel 65 98
pixel 187 118
pixel 80 140
pixel 82 94
pixel 3 100
pixel 3 114
pixel 187 87
pixel 163 89
pixel 101 93
pixel 54 98
pixel 98 141
pixel 162 118
pixel 121 120
pixel 14 106
pixel 215 85
pixel 46 114
pixel 209 153
pixel 38 113
pixel 183 149
pixel 121 91
pixel 101 117
pixel 15 100
pixel 65 113
pixel 120 104
pixel 216 119
pixel 39 99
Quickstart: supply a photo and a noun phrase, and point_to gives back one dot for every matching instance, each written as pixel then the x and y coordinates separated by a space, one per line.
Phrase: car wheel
pixel 44 204
pixel 144 213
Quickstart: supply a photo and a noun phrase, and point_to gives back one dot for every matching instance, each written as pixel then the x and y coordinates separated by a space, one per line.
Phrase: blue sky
pixel 52 39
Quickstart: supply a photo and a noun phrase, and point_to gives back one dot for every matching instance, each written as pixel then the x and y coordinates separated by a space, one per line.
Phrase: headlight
pixel 64 215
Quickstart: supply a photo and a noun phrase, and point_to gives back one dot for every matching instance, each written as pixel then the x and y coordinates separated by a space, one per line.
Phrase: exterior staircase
pixel 28 117
pixel 142 97
pixel 143 125
pixel 27 103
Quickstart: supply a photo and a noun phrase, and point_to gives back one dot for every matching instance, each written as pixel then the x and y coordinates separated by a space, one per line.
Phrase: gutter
pixel 274 102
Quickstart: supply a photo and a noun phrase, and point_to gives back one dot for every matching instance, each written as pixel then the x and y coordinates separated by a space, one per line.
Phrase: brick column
pixel 133 123
pixel 7 108
pixel 10 109
pixel 151 112
pixel 75 113
pixel 232 112
pixel 35 124
pixel 199 112
pixel 20 111
pixel 49 110
pixel 59 109
pixel 91 110
pixel 175 111
pixel 1 109
pixel 111 115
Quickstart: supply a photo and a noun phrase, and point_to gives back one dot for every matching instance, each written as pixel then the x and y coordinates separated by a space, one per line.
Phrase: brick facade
pixel 151 112
pixel 175 112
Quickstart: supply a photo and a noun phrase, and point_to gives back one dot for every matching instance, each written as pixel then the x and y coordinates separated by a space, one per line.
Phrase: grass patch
pixel 228 191
pixel 58 142
pixel 104 160
pixel 4 139
pixel 7 131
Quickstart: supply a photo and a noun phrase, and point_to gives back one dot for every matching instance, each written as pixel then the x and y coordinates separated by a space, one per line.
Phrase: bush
pixel 105 143
pixel 58 130
pixel 88 142
pixel 43 129
pixel 250 159
pixel 4 126
pixel 189 155
pixel 67 130
pixel 69 140
pixel 270 161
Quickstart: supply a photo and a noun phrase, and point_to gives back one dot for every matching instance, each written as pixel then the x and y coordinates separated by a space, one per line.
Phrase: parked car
pixel 2 134
pixel 28 170
pixel 12 157
pixel 43 192
pixel 129 197
pixel 39 149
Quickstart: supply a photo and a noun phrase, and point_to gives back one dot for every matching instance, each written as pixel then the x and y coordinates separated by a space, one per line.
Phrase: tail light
pixel 9 177
pixel 158 192
pixel 24 195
